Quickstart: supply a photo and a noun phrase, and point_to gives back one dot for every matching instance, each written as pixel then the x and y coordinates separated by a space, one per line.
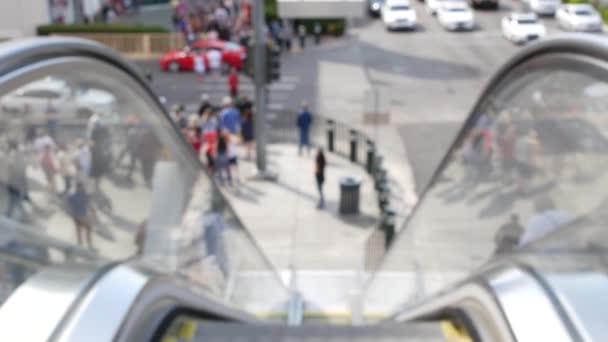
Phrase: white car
pixel 36 99
pixel 522 27
pixel 398 14
pixel 433 5
pixel 579 17
pixel 544 7
pixel 456 15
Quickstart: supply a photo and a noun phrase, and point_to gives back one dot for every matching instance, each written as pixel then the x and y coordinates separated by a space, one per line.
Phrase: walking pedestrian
pixel 193 134
pixel 199 66
pixel 303 122
pixel 222 157
pixel 79 204
pixel 320 176
pixel 205 105
pixel 215 62
pixel 527 153
pixel 83 161
pixel 317 31
pixel 52 119
pixel 233 159
pixel 287 33
pixel 66 168
pixel 302 36
pixel 16 180
pixel 101 153
pixel 230 118
pixel 177 113
pixel 507 236
pixel 233 83
pixel 47 163
pixel 247 131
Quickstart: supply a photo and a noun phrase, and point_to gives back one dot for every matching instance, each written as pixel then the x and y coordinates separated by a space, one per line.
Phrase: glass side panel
pixel 96 173
pixel 526 181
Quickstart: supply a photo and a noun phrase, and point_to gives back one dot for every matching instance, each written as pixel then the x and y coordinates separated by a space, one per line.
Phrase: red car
pixel 233 55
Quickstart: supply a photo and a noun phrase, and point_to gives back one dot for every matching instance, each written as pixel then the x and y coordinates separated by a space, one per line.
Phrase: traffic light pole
pixel 260 85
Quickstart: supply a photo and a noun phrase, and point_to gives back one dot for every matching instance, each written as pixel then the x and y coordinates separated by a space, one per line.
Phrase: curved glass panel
pixel 92 170
pixel 525 181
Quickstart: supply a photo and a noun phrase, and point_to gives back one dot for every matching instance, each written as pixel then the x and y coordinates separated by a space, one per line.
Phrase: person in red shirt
pixel 233 83
pixel 193 135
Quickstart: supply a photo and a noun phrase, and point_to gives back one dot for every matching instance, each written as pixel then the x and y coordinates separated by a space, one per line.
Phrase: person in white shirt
pixel 215 61
pixel 199 66
pixel 43 140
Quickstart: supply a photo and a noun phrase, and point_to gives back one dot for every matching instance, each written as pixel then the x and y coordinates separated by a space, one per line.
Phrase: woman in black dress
pixel 320 176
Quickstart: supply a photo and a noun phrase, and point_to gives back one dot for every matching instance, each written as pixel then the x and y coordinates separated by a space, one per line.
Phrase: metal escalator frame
pixel 144 311
pixel 584 49
pixel 573 45
pixel 22 54
pixel 31 59
pixel 486 291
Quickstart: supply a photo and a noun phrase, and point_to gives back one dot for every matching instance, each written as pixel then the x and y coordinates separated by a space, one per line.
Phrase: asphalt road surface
pixel 428 80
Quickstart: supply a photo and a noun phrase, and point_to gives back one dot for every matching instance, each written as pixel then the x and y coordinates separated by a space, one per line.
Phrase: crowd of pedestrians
pixel 73 166
pixel 219 19
pixel 216 132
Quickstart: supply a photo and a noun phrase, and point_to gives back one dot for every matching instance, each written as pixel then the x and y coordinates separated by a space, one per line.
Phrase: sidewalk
pixel 283 217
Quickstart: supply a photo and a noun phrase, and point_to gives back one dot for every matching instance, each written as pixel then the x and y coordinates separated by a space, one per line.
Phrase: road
pixel 428 80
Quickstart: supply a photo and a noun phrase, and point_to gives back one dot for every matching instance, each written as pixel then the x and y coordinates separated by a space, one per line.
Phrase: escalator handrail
pixel 18 54
pixel 570 43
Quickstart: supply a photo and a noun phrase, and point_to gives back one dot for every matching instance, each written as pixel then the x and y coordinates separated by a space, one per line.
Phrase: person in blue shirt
pixel 79 205
pixel 230 118
pixel 303 122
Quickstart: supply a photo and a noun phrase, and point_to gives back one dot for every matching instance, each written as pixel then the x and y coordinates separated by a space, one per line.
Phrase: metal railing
pixel 341 139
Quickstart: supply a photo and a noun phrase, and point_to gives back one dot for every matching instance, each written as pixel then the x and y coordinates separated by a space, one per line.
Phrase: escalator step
pixel 228 332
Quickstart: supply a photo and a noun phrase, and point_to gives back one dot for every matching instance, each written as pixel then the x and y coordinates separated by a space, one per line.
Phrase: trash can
pixel 349 195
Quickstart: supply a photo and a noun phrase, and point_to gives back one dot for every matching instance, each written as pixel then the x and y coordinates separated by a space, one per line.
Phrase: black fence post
pixel 353 145
pixel 330 135
pixel 371 151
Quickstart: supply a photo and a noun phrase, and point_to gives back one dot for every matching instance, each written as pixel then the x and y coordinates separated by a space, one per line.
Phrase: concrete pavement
pixel 285 221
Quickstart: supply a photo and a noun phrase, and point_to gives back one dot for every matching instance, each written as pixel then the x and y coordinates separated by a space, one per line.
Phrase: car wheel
pixel 174 67
pixel 84 113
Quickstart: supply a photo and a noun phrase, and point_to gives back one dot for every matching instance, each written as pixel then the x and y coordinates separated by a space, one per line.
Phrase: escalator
pixel 112 230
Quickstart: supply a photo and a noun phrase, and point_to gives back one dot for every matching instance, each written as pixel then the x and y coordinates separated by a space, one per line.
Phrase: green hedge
pixel 45 30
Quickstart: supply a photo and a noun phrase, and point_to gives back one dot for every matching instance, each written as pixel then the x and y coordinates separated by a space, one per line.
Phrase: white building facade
pixel 19 18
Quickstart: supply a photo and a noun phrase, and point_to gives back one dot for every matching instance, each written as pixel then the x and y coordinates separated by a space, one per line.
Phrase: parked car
pixel 35 99
pixel 433 5
pixel 544 7
pixel 398 14
pixel 374 7
pixel 579 17
pixel 491 4
pixel 233 55
pixel 522 27
pixel 456 15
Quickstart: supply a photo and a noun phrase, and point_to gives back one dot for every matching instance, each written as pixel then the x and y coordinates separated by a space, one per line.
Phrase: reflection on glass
pixel 524 181
pixel 91 172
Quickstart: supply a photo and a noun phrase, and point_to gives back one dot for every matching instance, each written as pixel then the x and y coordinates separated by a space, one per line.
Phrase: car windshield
pixel 400 8
pixel 526 21
pixel 583 13
pixel 231 46
pixel 456 9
